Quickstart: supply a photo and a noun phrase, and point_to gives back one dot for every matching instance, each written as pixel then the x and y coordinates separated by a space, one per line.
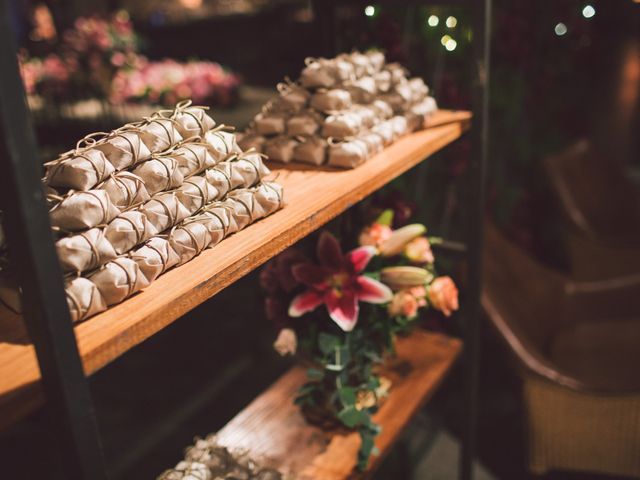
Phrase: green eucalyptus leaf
pixel 327 343
pixel 351 417
pixel 347 396
pixel 315 374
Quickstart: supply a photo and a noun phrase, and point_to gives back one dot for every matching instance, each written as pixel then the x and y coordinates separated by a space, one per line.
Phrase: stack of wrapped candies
pixel 340 112
pixel 130 204
pixel 206 460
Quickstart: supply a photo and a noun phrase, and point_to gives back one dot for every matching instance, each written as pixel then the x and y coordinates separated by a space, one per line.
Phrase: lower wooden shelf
pixel 272 429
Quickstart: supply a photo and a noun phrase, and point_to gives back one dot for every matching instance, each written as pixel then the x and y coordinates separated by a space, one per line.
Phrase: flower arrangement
pixel 167 82
pixel 342 311
pixel 98 57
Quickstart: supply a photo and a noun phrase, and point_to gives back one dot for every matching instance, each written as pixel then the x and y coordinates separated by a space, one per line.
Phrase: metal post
pixel 32 250
pixel 476 213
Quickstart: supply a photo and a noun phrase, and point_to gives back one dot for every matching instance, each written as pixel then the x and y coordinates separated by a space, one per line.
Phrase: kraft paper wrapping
pixel 84 299
pixel 128 230
pixel 331 100
pixel 118 280
pixel 78 170
pixel 83 210
pixel 123 148
pixel 85 251
pixel 125 190
pixel 160 174
pixel 155 257
pixel 164 210
pixel 159 133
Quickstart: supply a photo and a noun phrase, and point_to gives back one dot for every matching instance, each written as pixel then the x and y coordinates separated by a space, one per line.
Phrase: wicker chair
pixel 600 210
pixel 577 346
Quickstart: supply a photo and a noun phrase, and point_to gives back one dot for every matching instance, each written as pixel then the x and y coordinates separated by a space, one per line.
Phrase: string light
pixel 445 39
pixel 588 11
pixel 560 29
pixel 451 22
pixel 369 10
pixel 451 45
pixel 433 21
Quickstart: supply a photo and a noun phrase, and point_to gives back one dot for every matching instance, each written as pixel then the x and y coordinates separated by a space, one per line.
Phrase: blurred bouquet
pixel 168 82
pixel 353 305
pixel 98 58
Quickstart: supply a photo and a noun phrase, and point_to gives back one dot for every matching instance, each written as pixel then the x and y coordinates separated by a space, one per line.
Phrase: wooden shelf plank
pixel 312 196
pixel 273 430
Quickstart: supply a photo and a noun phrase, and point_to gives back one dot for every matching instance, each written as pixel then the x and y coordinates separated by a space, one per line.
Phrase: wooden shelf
pixel 312 197
pixel 275 433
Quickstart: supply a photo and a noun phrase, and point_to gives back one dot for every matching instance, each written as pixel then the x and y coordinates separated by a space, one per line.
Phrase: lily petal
pixel 329 251
pixel 311 275
pixel 360 257
pixel 343 310
pixel 373 291
pixel 305 302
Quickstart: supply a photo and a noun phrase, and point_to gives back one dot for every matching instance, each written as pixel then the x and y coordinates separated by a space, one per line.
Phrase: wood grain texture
pixel 312 198
pixel 274 431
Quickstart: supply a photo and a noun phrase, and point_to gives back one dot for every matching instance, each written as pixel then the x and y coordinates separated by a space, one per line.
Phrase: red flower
pixel 336 283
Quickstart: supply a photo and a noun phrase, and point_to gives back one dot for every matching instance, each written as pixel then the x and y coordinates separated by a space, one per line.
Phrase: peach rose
pixel 286 343
pixel 374 235
pixel 443 295
pixel 419 251
pixel 420 293
pixel 403 304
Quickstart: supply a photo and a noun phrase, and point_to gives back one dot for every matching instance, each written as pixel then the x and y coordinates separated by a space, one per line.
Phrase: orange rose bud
pixel 443 295
pixel 403 304
pixel 419 251
pixel 374 235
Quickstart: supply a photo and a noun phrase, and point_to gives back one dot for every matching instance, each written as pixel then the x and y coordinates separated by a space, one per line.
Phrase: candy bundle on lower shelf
pixel 131 204
pixel 340 111
pixel 206 460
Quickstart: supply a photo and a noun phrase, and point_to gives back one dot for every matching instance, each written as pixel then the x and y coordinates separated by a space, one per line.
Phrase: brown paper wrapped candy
pixel 155 257
pixel 362 90
pixel 193 158
pixel 319 73
pixel 385 131
pixel 280 149
pixel 368 116
pixel 164 210
pixel 293 98
pixel 118 280
pixel 224 144
pixel 374 142
pixel 311 150
pixel 270 123
pixel 251 168
pixel 219 179
pixel 187 471
pixel 123 148
pixel 159 133
pixel 160 174
pixel 78 170
pixel 341 125
pixel 419 89
pixel 400 126
pixel 376 60
pixel 189 239
pixel 83 210
pixel 361 64
pixel 85 251
pixel 348 154
pixel 383 109
pixel 383 81
pixel 125 190
pixel 425 108
pixel 303 123
pixel 252 204
pixel 331 100
pixel 398 73
pixel 84 299
pixel 192 121
pixel 128 230
pixel 196 192
pixel 218 221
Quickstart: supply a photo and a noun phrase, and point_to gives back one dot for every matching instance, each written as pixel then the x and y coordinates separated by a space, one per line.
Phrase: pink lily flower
pixel 336 282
